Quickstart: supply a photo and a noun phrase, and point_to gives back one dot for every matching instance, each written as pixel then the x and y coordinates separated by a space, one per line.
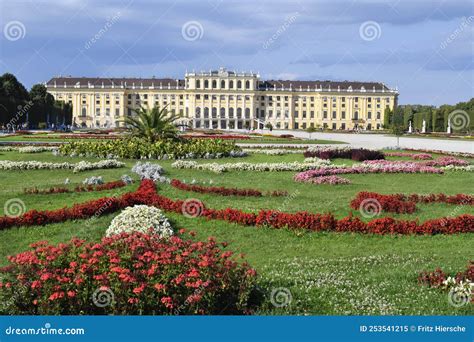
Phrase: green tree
pixel 397 126
pixel 310 130
pixel 152 125
pixel 387 117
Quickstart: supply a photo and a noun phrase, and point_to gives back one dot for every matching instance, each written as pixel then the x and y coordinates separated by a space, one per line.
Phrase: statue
pixel 449 127
pixel 423 128
pixel 410 128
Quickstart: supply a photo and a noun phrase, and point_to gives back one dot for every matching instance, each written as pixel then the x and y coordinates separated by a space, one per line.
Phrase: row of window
pixel 223 84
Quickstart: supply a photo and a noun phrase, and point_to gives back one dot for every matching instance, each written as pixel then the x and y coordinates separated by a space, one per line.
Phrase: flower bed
pixel 76 167
pixel 217 136
pixel 164 149
pixel 146 194
pixel 333 180
pixel 222 190
pixel 415 156
pixel 460 286
pixel 75 136
pixel 127 274
pixel 260 167
pixel 386 167
pixel 400 203
pixel 79 188
pixel 272 152
pixel 358 154
pixel 469 168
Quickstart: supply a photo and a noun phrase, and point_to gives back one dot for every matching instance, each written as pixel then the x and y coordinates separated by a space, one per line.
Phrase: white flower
pixel 150 171
pixel 94 180
pixel 140 218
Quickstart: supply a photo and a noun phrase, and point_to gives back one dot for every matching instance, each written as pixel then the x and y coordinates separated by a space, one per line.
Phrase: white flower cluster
pixel 8 148
pixel 140 218
pixel 260 167
pixel 36 149
pixel 328 148
pixel 150 171
pixel 76 167
pixel 103 164
pixel 94 180
pixel 468 168
pixel 273 152
pixel 126 179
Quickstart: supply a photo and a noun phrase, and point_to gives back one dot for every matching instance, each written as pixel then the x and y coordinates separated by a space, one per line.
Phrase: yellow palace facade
pixel 228 100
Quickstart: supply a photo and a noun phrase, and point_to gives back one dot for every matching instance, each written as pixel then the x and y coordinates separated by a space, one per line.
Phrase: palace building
pixel 226 99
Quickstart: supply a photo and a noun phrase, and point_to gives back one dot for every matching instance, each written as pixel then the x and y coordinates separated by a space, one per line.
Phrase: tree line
pixel 20 108
pixel 460 116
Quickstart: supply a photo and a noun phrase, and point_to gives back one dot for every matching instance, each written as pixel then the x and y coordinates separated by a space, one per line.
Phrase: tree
pixel 269 126
pixel 310 130
pixel 152 125
pixel 387 117
pixel 397 126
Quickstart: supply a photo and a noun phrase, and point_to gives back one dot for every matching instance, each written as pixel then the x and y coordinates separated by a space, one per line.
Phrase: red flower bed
pixel 75 136
pixel 79 188
pixel 222 190
pixel 399 203
pixel 146 194
pixel 128 274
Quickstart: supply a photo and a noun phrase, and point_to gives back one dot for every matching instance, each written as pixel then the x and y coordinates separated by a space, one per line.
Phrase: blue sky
pixel 425 47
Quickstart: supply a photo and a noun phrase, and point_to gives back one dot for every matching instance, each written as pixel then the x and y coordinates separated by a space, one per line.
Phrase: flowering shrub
pixel 445 161
pixel 469 168
pixel 150 171
pixel 140 218
pixel 461 285
pixel 127 274
pixel 135 148
pixel 359 154
pixel 36 149
pixel 333 180
pixel 222 190
pixel 79 188
pixel 77 167
pixel 126 179
pixel 374 166
pixel 261 167
pixel 390 203
pixel 415 156
pixel 272 152
pixel 94 180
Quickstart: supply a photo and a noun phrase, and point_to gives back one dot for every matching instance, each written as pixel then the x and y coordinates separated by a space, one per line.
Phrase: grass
pixel 326 273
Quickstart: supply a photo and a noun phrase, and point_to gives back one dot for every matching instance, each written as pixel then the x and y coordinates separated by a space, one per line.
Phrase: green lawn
pixel 326 273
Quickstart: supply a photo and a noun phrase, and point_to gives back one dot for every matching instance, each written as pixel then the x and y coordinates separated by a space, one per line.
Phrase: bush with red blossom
pixel 79 188
pixel 220 190
pixel 128 274
pixel 358 154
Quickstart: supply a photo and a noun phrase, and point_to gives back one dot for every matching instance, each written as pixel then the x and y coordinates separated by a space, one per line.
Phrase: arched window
pixel 247 113
pixel 206 113
pixel 214 84
pixel 239 112
pixel 222 112
pixel 198 113
pixel 239 84
pixel 231 112
pixel 206 84
pixel 84 111
pixel 198 83
pixel 356 115
pixel 222 84
pixel 214 112
pixel 247 84
pixel 231 84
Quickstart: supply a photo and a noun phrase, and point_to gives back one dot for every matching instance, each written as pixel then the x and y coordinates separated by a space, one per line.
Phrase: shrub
pixel 127 274
pixel 358 154
pixel 139 149
pixel 140 218
pixel 150 171
pixel 94 180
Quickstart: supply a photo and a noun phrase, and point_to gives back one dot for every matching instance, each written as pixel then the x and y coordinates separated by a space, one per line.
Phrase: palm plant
pixel 152 124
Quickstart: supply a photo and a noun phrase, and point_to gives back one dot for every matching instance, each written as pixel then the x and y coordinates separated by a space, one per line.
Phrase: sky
pixel 423 47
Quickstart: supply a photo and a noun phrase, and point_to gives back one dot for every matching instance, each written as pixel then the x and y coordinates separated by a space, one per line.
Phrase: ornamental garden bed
pixel 305 242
